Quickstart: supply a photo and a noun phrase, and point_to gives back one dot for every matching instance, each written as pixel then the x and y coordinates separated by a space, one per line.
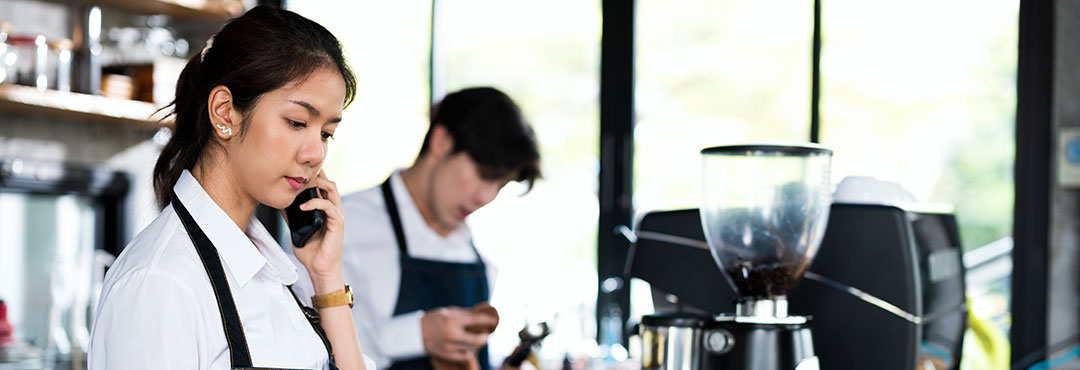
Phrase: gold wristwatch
pixel 335 298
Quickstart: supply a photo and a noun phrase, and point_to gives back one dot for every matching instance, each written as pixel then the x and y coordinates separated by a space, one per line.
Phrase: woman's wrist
pixel 327 283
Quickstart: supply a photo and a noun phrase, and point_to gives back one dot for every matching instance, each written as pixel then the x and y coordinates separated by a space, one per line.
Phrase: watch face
pixel 349 295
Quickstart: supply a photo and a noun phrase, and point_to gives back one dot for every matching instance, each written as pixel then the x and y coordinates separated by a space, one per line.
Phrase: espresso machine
pixel 764 211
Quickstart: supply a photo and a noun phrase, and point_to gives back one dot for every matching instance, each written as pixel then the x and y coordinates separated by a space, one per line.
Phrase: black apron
pixel 230 318
pixel 428 284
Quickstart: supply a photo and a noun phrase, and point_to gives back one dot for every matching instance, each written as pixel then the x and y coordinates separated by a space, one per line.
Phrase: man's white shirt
pixel 371 266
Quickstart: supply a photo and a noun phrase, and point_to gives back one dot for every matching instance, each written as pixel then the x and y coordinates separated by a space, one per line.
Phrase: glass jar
pixel 59 64
pixel 31 60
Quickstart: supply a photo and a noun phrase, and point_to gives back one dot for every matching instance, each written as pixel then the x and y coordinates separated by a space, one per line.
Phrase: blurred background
pixel 920 93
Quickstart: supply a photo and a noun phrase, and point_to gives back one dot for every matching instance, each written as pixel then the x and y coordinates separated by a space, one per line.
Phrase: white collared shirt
pixel 371 267
pixel 158 309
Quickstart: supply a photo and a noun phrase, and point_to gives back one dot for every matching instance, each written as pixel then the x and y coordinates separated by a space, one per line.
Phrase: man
pixel 408 253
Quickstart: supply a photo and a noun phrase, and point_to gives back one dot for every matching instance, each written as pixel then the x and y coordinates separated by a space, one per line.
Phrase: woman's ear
pixel 223 115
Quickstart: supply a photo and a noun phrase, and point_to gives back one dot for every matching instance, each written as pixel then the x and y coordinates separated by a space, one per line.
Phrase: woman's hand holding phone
pixel 304 224
pixel 321 254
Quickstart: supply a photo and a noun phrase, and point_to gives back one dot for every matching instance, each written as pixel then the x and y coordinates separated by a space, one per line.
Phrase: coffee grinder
pixel 764 210
pixel 764 213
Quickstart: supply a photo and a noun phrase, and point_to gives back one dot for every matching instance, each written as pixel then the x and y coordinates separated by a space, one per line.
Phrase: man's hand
pixel 444 334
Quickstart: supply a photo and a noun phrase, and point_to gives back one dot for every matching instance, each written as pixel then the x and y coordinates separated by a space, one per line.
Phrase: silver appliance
pixel 59 225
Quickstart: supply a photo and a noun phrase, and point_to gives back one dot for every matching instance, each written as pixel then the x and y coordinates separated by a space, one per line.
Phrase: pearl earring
pixel 225 130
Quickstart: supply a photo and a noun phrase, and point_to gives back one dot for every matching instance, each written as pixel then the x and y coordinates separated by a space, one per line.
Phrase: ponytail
pixel 189 136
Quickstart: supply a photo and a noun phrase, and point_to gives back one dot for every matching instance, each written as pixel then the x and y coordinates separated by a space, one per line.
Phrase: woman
pixel 205 285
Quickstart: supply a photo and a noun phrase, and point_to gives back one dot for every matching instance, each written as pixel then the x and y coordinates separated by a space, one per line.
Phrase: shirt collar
pixel 411 218
pixel 233 245
pixel 278 263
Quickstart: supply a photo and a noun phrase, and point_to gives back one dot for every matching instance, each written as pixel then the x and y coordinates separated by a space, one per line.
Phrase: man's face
pixel 457 190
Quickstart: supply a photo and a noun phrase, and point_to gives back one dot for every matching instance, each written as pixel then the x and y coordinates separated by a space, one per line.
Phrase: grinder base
pixel 738 345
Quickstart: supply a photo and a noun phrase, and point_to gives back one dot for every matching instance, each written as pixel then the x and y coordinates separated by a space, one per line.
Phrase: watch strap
pixel 336 298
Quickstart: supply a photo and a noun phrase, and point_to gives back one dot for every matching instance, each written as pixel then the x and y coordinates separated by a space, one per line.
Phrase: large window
pixel 544 243
pixel 931 107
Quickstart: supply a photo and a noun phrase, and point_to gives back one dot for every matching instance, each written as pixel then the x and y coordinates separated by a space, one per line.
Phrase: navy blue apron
pixel 230 318
pixel 428 284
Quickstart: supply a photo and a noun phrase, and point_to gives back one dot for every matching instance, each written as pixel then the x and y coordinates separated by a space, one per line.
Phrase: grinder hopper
pixel 764 211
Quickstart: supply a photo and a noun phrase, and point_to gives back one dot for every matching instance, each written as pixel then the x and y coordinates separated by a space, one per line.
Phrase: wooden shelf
pixel 183 9
pixel 75 106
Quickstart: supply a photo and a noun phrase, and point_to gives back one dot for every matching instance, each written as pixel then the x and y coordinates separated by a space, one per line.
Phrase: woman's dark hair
pixel 258 52
pixel 485 123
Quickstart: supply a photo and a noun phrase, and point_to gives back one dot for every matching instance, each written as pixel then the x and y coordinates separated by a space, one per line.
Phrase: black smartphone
pixel 304 224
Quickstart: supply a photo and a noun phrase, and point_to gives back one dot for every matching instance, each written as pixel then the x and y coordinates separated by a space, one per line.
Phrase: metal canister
pixel 672 341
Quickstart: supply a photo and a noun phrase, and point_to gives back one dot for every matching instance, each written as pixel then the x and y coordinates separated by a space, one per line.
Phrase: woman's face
pixel 285 138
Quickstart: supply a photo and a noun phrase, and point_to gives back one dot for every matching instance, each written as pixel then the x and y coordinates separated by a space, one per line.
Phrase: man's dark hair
pixel 489 127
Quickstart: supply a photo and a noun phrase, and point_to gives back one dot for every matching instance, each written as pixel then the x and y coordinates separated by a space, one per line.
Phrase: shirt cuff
pixel 401 337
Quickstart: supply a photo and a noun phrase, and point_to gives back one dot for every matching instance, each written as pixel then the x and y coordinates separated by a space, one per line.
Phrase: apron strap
pixel 313 318
pixel 395 220
pixel 395 216
pixel 479 259
pixel 230 319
